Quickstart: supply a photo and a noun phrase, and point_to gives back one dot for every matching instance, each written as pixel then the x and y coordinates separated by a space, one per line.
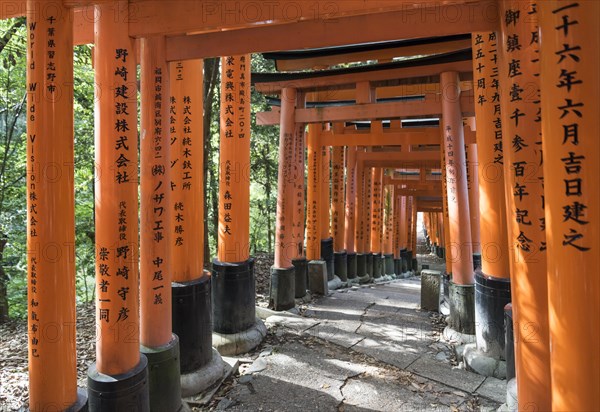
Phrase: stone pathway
pixel 367 348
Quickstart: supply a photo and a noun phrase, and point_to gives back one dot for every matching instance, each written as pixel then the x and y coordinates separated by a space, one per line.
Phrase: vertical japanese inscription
pixel 234 188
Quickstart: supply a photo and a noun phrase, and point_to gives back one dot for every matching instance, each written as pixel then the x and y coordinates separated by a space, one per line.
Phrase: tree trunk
pixel 3 283
pixel 211 71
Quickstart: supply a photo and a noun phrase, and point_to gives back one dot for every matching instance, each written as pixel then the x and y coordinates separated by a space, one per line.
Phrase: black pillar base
pixel 300 277
pixel 446 277
pixel 405 260
pixel 352 267
pixel 361 265
pixel 398 266
pixel 509 342
pixel 369 264
pixel 462 308
pixel 192 310
pixel 81 404
pixel 164 377
pixel 491 296
pixel 283 288
pixel 388 263
pixel 328 256
pixel 125 392
pixel 340 265
pixel 476 261
pixel 377 266
pixel 233 296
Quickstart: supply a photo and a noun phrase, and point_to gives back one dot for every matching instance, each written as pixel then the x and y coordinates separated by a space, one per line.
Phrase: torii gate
pixel 196 30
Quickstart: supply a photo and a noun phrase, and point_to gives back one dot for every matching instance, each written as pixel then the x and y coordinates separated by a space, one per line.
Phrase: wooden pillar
pixel 460 250
pixel 388 234
pixel 234 176
pixel 325 192
pixel 571 145
pixel 186 170
pixel 397 225
pixel 313 192
pixel 409 223
pixel 285 246
pixel 404 223
pixel 521 125
pixel 473 187
pixel 156 266
pixel 414 225
pixel 490 155
pixel 337 199
pixel 299 184
pixel 359 209
pixel 376 210
pixel 368 208
pixel 445 214
pixel 50 208
pixel 350 198
pixel 117 310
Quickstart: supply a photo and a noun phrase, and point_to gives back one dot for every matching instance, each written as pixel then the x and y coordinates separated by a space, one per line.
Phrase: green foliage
pixel 13 167
pixel 264 153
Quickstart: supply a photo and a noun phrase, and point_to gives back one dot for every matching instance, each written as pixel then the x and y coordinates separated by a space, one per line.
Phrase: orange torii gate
pixel 566 102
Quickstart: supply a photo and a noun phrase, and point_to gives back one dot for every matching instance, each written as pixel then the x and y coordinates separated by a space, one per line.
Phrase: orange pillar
pixel 233 284
pixel 388 235
pixel 404 223
pixel 493 272
pixel 409 229
pixel 234 177
pixel 155 205
pixel 525 198
pixel 571 145
pixel 376 210
pixel 191 310
pixel 350 198
pixel 186 168
pixel 337 199
pixel 299 185
pixel 313 194
pixel 473 187
pixel 521 126
pixel 460 250
pixel 368 208
pixel 327 249
pixel 445 214
pixel 462 290
pixel 362 258
pixel 490 155
pixel 284 243
pixel 117 310
pixel 157 342
pixel 397 225
pixel 359 234
pixel 325 192
pixel 283 272
pixel 50 209
pixel 351 183
pixel 413 240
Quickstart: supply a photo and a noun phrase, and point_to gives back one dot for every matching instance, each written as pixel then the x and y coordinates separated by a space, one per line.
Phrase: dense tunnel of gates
pixel 489 130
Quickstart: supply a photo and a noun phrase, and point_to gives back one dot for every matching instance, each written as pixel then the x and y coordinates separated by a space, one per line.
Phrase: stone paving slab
pixel 391 353
pixel 334 333
pixel 379 353
pixel 441 372
pixel 494 389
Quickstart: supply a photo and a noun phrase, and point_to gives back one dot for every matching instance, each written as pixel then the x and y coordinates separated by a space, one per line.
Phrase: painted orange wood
pixel 234 163
pixel 571 145
pixel 50 209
